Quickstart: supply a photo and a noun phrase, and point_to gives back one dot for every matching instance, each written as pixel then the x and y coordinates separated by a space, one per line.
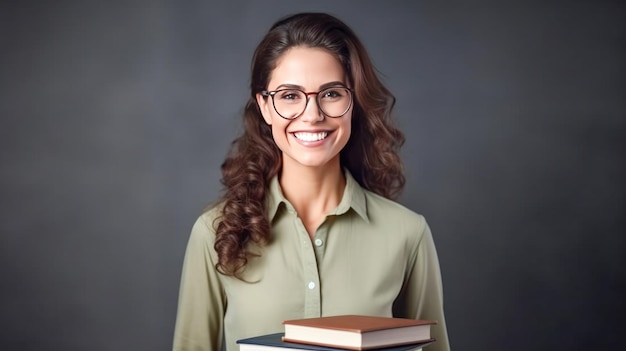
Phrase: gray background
pixel 115 117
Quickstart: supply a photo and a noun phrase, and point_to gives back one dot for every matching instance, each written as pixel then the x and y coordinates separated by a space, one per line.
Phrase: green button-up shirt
pixel 370 256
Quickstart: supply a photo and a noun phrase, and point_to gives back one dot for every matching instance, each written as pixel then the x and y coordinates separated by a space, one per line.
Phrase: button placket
pixel 312 295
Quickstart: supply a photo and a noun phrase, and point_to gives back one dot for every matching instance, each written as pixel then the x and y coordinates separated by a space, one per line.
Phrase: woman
pixel 306 227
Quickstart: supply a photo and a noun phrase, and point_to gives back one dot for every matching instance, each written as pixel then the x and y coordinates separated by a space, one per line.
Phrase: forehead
pixel 307 67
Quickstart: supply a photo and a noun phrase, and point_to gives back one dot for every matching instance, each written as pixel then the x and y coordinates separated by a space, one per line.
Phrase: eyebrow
pixel 322 87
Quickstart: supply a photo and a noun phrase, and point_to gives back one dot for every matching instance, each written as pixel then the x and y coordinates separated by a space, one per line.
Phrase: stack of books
pixel 347 332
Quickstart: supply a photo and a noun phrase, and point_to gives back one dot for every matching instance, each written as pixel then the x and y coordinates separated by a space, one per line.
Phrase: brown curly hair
pixel 371 154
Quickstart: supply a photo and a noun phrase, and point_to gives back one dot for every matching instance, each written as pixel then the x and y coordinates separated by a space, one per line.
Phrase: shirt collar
pixel 353 198
pixel 275 199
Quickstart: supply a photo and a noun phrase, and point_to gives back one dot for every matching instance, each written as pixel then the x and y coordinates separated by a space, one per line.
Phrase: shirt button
pixel 311 285
pixel 318 242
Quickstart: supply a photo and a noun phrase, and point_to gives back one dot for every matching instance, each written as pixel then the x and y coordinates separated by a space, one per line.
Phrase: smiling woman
pixel 307 138
pixel 306 226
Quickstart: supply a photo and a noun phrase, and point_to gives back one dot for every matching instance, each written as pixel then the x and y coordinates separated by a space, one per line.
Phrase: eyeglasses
pixel 291 103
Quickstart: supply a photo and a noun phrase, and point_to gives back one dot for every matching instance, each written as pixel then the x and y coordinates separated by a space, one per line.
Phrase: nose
pixel 312 112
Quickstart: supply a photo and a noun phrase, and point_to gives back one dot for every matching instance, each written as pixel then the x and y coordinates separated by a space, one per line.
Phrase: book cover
pixel 357 323
pixel 274 342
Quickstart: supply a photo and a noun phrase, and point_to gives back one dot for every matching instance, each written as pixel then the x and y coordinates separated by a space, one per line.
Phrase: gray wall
pixel 116 117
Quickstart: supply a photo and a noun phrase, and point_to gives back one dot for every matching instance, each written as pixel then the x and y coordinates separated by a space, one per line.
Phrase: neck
pixel 313 191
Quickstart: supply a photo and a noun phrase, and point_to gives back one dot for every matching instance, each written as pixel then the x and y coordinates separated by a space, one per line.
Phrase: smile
pixel 310 136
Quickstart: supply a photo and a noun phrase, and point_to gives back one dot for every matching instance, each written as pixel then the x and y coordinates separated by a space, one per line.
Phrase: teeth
pixel 311 136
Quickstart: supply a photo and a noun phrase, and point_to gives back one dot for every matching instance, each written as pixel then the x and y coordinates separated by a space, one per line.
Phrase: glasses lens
pixel 334 101
pixel 289 103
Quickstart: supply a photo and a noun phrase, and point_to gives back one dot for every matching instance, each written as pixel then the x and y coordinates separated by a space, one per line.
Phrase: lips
pixel 308 136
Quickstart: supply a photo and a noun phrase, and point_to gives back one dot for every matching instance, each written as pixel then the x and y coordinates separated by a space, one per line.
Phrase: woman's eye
pixel 289 95
pixel 332 94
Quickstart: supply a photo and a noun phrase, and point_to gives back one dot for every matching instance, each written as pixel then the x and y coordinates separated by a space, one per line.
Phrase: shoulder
pixel 379 206
pixel 206 224
pixel 393 216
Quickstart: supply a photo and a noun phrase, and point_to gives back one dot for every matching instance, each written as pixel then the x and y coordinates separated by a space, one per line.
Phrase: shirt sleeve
pixel 201 301
pixel 422 294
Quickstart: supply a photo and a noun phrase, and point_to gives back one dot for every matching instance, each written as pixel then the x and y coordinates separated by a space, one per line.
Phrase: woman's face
pixel 312 139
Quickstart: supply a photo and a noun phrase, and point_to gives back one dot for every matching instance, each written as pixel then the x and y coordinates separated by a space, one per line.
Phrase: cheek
pixel 347 131
pixel 347 127
pixel 279 129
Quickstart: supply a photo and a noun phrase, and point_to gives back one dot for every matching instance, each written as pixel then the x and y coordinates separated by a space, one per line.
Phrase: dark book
pixel 274 342
pixel 357 332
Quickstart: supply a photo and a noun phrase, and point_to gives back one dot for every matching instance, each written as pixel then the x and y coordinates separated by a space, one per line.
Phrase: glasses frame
pixel 271 93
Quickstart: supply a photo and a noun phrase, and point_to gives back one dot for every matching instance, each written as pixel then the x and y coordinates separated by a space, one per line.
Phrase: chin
pixel 316 162
pixel 312 163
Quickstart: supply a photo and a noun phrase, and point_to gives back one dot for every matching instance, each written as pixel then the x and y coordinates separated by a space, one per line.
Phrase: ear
pixel 265 108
